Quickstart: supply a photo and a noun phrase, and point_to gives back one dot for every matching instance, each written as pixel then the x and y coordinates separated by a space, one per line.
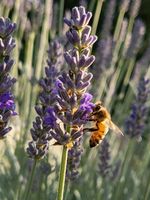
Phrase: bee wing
pixel 115 128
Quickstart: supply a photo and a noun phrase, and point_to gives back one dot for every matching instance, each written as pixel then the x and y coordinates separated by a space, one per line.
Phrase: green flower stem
pixel 121 69
pixel 61 11
pixel 106 189
pixel 130 25
pixel 6 11
pixel 43 39
pixel 97 16
pixel 115 83
pixel 142 169
pixel 129 29
pixel 91 5
pixel 147 192
pixel 67 189
pixel 16 11
pixel 123 172
pixel 102 85
pixel 148 73
pixel 30 181
pixel 130 66
pixel 27 106
pixel 62 173
pixel 1 10
pixel 29 54
pixel 119 23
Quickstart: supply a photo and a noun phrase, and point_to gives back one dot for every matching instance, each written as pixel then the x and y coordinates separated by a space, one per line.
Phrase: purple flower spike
pixel 136 121
pixel 7 104
pixel 106 169
pixel 41 131
pixel 50 118
pixel 6 27
pixel 74 157
pixel 72 102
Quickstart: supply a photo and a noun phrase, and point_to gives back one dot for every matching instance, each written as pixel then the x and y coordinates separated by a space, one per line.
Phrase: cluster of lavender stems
pixel 136 122
pixel 7 104
pixel 38 147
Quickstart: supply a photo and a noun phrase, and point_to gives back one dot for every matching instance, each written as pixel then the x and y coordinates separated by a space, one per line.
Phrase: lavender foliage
pixel 7 104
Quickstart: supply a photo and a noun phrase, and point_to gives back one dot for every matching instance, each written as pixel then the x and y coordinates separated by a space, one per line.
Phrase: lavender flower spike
pixel 73 103
pixel 136 122
pixel 106 169
pixel 74 157
pixel 7 104
pixel 40 132
pixel 104 159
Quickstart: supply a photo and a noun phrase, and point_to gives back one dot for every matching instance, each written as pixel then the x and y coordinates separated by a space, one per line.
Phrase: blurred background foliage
pixel 117 169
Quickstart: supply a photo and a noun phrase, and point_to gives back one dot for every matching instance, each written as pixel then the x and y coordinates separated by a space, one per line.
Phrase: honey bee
pixel 103 123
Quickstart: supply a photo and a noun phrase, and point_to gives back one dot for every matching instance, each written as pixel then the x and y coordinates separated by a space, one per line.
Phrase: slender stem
pixel 6 11
pixel 67 186
pixel 124 167
pixel 129 29
pixel 29 54
pixel 91 5
pixel 43 38
pixel 61 11
pixel 16 11
pixel 30 181
pixel 130 67
pixel 142 169
pixel 119 23
pixel 62 173
pixel 148 73
pixel 106 193
pixel 96 16
pixel 147 192
pixel 28 105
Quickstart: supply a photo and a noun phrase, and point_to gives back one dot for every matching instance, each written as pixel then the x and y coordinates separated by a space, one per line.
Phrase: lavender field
pixel 74 100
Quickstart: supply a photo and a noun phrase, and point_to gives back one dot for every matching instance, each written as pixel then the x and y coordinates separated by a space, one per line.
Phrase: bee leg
pixel 92 120
pixel 90 129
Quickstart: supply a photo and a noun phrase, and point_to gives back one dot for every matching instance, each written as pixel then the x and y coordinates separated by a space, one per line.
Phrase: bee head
pixel 97 107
